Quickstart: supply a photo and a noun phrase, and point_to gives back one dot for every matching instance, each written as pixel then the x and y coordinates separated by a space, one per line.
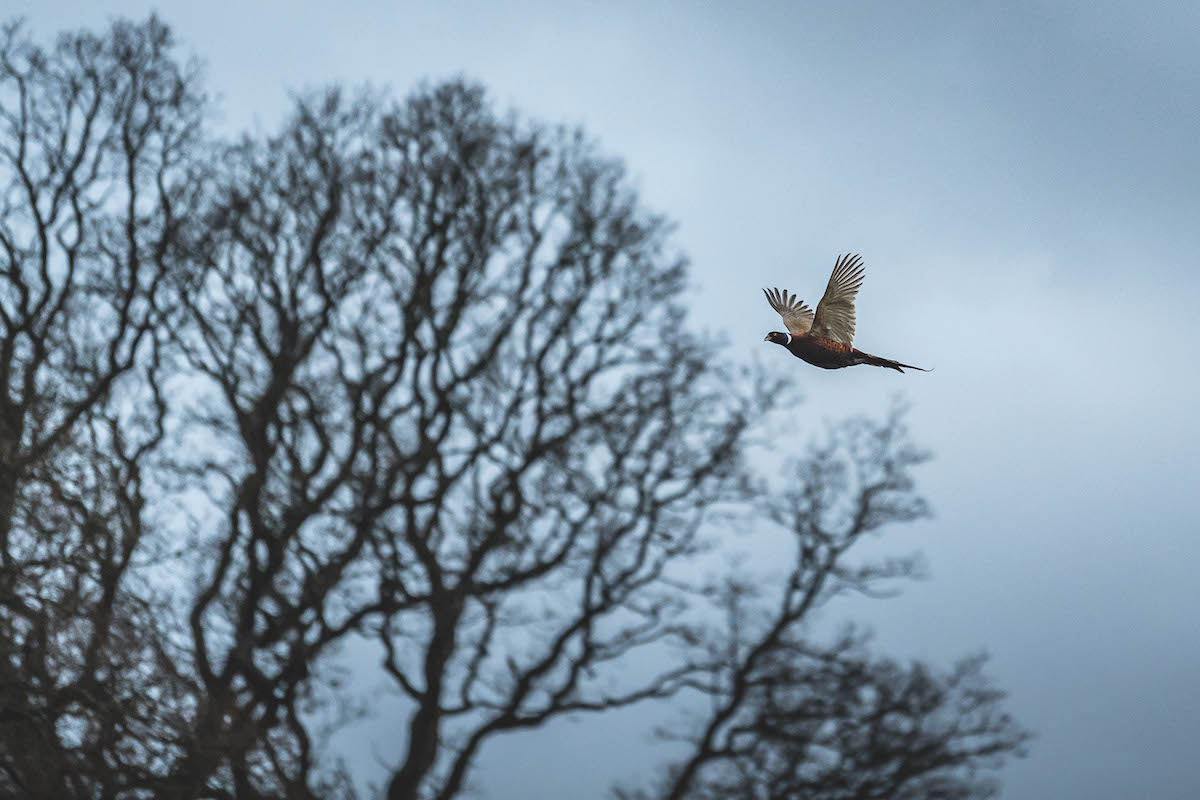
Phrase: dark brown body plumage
pixel 828 354
pixel 822 352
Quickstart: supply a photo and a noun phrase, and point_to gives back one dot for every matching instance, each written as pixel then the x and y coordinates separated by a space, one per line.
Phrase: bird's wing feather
pixel 797 316
pixel 835 313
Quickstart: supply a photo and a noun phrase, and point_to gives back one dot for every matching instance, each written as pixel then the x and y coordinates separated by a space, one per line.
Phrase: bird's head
pixel 778 338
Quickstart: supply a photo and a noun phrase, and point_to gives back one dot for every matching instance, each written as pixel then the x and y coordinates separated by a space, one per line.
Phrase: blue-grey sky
pixel 1023 181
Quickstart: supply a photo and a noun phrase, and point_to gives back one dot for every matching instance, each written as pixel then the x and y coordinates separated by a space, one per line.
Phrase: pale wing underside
pixel 835 313
pixel 797 316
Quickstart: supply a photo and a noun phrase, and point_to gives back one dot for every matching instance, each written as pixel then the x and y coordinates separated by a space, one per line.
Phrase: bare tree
pixel 789 716
pixel 96 138
pixel 411 378
pixel 461 416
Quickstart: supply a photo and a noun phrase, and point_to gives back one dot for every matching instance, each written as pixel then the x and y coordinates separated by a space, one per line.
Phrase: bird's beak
pixel 767 338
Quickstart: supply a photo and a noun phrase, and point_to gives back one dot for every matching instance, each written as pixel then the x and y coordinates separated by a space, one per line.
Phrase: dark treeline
pixel 407 378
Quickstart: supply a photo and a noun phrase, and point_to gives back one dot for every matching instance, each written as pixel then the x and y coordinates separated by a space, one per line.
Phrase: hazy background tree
pixel 410 379
pixel 789 715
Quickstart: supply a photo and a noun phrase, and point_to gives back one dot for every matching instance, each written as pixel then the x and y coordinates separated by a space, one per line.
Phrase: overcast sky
pixel 1023 181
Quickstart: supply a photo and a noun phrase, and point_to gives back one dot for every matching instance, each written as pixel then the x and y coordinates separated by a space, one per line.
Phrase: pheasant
pixel 823 339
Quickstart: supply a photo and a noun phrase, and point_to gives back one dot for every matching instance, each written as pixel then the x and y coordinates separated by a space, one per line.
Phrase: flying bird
pixel 823 339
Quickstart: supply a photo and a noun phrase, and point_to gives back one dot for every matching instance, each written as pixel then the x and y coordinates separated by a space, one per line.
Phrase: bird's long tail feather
pixel 876 361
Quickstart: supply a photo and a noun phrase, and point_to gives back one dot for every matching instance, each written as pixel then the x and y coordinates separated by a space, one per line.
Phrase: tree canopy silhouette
pixel 406 378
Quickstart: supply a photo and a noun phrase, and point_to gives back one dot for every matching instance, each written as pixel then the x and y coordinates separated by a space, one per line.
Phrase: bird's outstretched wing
pixel 797 316
pixel 835 312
